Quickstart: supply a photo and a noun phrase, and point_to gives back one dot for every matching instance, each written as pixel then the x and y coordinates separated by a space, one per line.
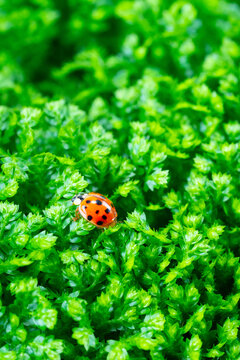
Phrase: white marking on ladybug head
pixel 77 201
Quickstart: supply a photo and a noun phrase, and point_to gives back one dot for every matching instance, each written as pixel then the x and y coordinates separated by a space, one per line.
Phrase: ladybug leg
pixel 77 213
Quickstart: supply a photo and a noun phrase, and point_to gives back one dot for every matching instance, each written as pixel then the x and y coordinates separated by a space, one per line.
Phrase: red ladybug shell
pixel 98 210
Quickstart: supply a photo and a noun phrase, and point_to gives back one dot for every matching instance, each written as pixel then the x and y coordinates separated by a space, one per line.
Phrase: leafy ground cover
pixel 138 100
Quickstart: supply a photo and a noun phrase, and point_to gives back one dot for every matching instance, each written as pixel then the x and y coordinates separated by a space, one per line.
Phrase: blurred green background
pixel 82 49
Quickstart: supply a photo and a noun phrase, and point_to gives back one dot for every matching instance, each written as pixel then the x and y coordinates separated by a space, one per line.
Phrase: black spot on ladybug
pixel 99 222
pixel 88 201
pixel 104 217
pixel 107 211
pixel 97 211
pixel 89 217
pixel 85 207
pixel 98 202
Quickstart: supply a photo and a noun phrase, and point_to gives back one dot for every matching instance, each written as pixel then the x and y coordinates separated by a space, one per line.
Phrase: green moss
pixel 138 100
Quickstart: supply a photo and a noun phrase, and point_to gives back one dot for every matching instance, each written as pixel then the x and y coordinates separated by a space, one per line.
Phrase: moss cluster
pixel 138 100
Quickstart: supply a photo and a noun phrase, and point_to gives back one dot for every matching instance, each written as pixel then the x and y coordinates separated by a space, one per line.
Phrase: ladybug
pixel 95 208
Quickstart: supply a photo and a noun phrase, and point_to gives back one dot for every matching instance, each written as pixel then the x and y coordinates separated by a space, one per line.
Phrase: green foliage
pixel 138 100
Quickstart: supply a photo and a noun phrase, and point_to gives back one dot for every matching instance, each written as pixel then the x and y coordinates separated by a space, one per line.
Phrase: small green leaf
pixel 85 337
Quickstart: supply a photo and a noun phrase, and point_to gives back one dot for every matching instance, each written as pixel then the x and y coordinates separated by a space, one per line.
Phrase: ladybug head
pixel 77 199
